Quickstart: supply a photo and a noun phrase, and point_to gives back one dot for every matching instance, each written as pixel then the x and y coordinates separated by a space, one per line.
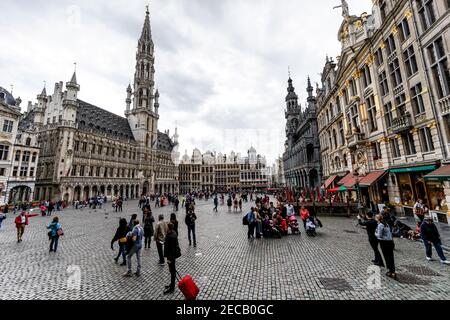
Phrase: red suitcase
pixel 188 287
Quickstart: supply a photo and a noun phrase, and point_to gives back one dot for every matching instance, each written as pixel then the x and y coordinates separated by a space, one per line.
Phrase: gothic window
pixel 410 61
pixel 371 110
pixel 439 67
pixel 426 13
pixel 417 99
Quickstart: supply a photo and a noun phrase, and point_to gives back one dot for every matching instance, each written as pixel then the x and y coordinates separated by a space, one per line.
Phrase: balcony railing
pixel 355 139
pixel 402 123
pixel 444 104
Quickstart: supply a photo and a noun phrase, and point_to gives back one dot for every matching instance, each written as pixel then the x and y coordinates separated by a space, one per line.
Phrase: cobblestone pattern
pixel 225 264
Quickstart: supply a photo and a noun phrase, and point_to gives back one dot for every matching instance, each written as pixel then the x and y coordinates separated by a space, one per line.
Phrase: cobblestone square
pixel 225 265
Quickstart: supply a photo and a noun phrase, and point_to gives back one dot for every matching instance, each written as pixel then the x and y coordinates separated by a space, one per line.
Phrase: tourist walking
pixel 371 227
pixel 54 233
pixel 172 252
pixel 304 214
pixel 190 223
pixel 236 203
pixel 21 221
pixel 148 229
pixel 216 203
pixel 290 211
pixel 159 237
pixel 121 237
pixel 418 210
pixel 131 223
pixel 384 236
pixel 431 237
pixel 251 219
pixel 134 248
pixel 229 204
pixel 240 204
pixel 174 221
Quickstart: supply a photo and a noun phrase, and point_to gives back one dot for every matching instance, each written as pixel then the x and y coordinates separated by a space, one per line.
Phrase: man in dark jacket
pixel 190 223
pixel 430 236
pixel 371 226
pixel 171 252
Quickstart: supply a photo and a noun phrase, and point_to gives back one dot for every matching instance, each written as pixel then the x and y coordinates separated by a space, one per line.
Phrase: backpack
pixel 245 220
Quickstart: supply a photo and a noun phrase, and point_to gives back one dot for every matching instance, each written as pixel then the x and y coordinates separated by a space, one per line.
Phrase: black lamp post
pixel 358 190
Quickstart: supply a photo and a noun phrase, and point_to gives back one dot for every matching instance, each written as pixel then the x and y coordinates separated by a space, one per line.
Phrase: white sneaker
pixel 429 259
pixel 445 262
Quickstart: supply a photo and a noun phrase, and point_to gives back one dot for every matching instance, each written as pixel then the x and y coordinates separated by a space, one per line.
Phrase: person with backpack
pixel 54 233
pixel 251 220
pixel 190 223
pixel 160 236
pixel 134 246
pixel 148 229
pixel 121 237
pixel 171 252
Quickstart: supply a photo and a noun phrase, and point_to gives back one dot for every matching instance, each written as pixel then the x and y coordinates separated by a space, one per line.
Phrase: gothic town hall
pixel 87 151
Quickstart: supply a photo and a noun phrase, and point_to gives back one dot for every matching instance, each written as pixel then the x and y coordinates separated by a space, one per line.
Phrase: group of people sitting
pixel 266 220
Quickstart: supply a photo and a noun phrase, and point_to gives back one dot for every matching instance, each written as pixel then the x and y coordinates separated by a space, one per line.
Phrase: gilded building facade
pixel 383 103
pixel 222 173
pixel 88 151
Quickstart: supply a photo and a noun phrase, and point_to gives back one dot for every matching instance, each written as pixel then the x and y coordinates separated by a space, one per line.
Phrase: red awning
pixel 371 178
pixel 348 181
pixel 329 181
pixel 334 190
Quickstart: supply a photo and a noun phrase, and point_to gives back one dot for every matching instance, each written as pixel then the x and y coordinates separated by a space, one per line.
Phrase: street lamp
pixel 358 190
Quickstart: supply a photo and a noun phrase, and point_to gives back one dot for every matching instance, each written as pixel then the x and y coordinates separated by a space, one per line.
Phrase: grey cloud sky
pixel 221 65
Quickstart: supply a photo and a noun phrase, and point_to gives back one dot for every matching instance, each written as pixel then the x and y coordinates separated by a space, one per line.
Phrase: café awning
pixel 371 178
pixel 348 181
pixel 413 169
pixel 329 181
pixel 441 174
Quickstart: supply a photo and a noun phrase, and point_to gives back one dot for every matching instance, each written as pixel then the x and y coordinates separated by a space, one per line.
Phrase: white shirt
pixel 24 219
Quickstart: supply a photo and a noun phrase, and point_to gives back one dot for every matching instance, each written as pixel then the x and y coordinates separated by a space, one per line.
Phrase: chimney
pixel 29 107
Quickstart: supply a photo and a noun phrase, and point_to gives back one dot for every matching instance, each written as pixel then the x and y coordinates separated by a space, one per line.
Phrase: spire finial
pixel 45 84
pixel 147 12
pixel 12 88
pixel 289 71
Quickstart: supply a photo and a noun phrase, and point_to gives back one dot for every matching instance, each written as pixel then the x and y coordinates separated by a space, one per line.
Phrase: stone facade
pixel 19 152
pixel 87 151
pixel 301 160
pixel 222 173
pixel 380 103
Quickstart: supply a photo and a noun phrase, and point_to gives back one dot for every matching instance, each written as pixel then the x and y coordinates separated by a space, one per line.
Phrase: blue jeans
pixel 437 246
pixel 191 228
pixel 54 243
pixel 133 251
pixel 122 252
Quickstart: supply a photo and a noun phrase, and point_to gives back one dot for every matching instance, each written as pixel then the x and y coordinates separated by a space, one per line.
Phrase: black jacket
pixel 429 232
pixel 371 227
pixel 190 219
pixel 120 233
pixel 171 246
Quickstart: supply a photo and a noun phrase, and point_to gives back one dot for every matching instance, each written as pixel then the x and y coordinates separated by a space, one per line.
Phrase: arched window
pixel 28 141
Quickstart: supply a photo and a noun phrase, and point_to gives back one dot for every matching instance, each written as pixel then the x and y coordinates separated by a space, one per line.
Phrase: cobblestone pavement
pixel 225 264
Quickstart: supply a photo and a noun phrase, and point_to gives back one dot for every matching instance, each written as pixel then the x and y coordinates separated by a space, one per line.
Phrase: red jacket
pixel 18 220
pixel 304 214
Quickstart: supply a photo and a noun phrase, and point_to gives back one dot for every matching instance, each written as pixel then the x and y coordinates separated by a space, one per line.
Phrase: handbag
pixel 60 232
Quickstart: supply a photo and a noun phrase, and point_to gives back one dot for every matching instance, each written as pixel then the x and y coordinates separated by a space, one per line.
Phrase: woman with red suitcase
pixel 171 252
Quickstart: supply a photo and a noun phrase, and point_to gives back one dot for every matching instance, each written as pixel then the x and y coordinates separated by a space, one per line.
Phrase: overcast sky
pixel 221 65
